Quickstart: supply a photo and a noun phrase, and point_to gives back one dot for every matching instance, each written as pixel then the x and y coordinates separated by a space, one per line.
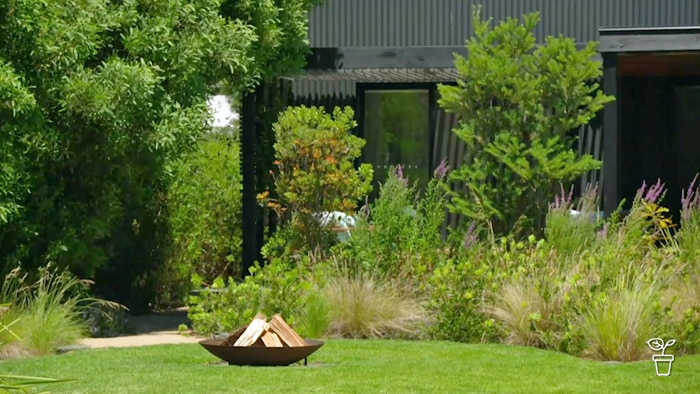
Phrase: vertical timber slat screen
pixel 590 141
pixel 448 146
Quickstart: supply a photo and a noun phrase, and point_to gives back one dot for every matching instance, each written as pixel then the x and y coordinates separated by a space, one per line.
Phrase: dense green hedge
pixel 96 100
pixel 205 216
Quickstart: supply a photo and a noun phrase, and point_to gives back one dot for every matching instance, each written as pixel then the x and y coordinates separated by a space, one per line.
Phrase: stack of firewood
pixel 261 332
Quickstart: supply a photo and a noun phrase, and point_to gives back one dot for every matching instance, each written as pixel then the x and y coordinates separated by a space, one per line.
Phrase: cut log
pixel 233 337
pixel 271 339
pixel 253 332
pixel 285 332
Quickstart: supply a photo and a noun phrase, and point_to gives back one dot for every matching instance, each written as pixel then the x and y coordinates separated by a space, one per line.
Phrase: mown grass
pixel 356 366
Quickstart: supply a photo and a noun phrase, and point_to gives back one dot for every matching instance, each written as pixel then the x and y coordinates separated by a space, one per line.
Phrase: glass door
pixel 397 131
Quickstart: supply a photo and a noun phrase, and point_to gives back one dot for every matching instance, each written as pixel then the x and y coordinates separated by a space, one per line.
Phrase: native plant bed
pixel 515 267
pixel 351 366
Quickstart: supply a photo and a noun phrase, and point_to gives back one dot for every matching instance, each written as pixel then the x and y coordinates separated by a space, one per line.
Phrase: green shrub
pixel 400 233
pixel 569 234
pixel 518 102
pixel 92 112
pixel 688 237
pixel 226 305
pixel 315 171
pixel 602 300
pixel 205 208
pixel 683 297
pixel 457 288
pixel 315 317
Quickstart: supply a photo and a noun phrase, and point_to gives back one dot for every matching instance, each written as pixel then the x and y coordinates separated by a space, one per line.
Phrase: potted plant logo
pixel 662 361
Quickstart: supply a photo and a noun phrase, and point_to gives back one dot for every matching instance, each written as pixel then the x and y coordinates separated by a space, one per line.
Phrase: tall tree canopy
pixel 97 96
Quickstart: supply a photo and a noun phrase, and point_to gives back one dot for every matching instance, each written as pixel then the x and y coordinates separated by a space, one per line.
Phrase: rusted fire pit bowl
pixel 259 355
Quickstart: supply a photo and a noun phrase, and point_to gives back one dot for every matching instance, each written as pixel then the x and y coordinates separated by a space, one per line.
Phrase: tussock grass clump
pixel 619 327
pixel 45 313
pixel 315 318
pixel 526 316
pixel 363 306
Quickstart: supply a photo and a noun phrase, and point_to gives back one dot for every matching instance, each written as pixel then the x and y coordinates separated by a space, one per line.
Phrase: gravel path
pixel 152 329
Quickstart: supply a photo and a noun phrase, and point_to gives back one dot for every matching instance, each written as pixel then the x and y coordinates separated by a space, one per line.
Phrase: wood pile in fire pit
pixel 261 332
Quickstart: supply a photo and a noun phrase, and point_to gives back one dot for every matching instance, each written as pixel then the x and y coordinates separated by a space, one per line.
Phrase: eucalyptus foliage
pixel 97 97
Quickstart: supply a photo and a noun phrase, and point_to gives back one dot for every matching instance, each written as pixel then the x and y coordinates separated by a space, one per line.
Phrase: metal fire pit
pixel 260 355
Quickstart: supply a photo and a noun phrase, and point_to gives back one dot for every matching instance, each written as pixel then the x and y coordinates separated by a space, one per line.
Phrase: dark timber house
pixel 385 58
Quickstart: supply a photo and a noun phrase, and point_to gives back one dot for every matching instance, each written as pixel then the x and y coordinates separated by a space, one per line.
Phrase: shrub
pixel 572 234
pixel 205 209
pixel 91 112
pixel 683 296
pixel 518 103
pixel 315 172
pixel 602 300
pixel 277 287
pixel 400 233
pixel 456 297
pixel 688 237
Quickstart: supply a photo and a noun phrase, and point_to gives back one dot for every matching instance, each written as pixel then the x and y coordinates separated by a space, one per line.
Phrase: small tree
pixel 315 155
pixel 518 103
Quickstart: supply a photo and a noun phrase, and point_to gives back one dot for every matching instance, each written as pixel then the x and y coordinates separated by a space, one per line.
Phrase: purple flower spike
pixel 690 200
pixel 471 238
pixel 563 200
pixel 653 195
pixel 399 174
pixel 642 189
pixel 603 233
pixel 441 169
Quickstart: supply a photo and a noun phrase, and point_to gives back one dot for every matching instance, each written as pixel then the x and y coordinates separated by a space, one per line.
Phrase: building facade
pixel 386 57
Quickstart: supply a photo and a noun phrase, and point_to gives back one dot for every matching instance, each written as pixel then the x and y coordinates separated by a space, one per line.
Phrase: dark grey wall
pixel 340 23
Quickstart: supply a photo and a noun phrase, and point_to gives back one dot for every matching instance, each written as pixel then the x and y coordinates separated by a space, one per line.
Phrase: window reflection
pixel 397 131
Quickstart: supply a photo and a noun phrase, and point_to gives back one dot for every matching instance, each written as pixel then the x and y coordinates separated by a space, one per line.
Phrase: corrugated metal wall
pixel 448 22
pixel 339 23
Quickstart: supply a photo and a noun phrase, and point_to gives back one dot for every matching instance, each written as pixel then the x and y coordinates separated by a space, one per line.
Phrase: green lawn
pixel 356 367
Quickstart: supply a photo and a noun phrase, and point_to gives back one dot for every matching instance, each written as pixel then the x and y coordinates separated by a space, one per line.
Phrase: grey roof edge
pixel 650 39
pixel 409 57
pixel 665 30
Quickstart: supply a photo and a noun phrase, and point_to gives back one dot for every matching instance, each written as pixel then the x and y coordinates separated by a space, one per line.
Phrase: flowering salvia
pixel 603 233
pixel 442 169
pixel 653 194
pixel 471 237
pixel 563 200
pixel 690 200
pixel 399 174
